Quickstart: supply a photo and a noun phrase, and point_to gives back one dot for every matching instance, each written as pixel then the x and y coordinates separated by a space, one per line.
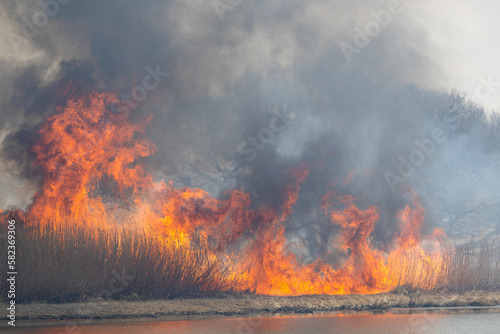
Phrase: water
pixel 461 321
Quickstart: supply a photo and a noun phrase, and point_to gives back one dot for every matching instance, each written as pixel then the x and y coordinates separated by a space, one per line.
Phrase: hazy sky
pixel 465 35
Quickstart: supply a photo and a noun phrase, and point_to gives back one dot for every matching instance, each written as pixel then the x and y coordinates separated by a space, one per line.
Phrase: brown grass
pixel 72 264
pixel 254 305
pixel 474 265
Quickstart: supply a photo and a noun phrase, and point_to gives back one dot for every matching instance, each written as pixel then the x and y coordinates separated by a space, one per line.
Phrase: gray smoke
pixel 232 70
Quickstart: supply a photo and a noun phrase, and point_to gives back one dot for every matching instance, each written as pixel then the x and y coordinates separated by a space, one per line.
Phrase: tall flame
pixel 86 152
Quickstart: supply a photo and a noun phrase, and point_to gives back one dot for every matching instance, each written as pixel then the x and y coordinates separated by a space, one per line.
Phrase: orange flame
pixel 82 147
pixel 86 151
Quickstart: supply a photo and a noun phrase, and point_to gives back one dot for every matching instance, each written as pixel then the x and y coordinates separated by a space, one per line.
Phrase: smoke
pixel 341 112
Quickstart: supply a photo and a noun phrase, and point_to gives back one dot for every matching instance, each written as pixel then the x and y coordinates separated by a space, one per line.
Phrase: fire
pixel 79 149
pixel 86 152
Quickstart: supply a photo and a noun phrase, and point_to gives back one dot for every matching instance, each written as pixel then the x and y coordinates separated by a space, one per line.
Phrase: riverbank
pixel 251 305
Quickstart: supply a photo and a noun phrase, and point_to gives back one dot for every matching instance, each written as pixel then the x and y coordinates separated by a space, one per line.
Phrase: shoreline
pixel 249 305
pixel 40 323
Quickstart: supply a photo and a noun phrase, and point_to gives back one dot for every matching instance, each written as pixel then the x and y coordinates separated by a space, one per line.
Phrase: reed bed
pixel 77 263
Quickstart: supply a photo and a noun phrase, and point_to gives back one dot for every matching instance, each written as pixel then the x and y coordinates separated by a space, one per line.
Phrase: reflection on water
pixel 469 321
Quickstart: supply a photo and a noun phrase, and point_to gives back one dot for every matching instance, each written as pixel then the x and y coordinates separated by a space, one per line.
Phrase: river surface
pixel 437 321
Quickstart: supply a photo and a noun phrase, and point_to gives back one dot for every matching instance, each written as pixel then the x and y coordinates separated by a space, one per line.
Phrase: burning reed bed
pixel 183 237
pixel 72 264
pixel 75 264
